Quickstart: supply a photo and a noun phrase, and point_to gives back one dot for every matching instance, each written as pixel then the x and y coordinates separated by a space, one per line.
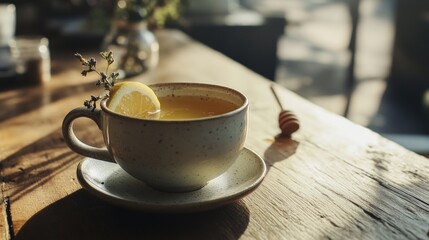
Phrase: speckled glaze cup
pixel 168 155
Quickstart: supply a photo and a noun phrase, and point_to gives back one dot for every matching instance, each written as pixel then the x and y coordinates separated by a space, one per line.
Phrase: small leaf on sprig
pixel 106 79
pixel 108 56
pixel 92 103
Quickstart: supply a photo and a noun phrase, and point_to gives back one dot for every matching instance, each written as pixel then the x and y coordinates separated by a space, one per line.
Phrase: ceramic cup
pixel 168 155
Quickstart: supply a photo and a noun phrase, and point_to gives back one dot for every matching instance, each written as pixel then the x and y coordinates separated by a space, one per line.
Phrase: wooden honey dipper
pixel 288 121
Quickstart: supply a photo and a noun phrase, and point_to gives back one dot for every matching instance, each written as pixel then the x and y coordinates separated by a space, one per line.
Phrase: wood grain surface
pixel 331 180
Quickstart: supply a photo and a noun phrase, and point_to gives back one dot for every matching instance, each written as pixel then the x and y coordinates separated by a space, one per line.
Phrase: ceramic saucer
pixel 112 184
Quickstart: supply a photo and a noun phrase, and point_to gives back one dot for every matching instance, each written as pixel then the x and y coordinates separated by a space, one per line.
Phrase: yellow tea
pixel 189 107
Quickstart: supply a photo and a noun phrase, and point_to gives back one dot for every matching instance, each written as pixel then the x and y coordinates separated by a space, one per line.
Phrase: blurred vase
pixel 135 48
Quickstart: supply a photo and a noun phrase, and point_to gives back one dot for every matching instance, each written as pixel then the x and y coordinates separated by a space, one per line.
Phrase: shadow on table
pixel 29 98
pixel 82 216
pixel 41 160
pixel 281 149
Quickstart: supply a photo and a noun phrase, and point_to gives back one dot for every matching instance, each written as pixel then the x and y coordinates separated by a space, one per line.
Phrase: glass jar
pixel 32 57
pixel 134 47
pixel 7 32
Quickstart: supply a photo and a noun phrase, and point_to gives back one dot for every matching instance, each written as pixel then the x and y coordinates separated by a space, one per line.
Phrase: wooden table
pixel 332 180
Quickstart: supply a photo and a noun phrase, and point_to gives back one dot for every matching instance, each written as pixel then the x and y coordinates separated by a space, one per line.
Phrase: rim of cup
pixel 105 109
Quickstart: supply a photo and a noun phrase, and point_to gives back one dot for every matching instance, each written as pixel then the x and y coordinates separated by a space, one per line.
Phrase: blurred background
pixel 367 60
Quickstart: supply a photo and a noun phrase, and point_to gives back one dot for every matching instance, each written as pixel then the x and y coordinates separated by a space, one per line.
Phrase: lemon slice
pixel 134 99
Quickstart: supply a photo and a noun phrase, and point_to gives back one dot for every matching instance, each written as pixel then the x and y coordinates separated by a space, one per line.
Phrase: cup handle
pixel 74 143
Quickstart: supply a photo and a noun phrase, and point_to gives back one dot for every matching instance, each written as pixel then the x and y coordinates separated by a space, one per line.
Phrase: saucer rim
pixel 202 205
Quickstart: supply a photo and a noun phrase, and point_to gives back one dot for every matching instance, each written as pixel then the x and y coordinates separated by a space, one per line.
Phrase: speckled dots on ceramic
pixel 170 155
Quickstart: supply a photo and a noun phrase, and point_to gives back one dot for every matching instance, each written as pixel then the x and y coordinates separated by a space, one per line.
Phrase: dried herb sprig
pixel 107 80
